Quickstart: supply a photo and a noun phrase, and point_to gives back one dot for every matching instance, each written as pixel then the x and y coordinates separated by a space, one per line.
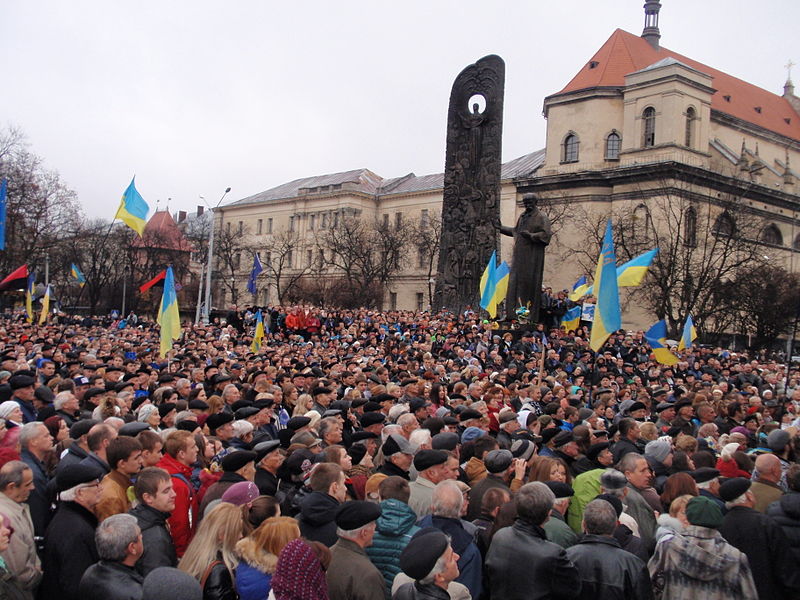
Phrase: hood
pixel 790 504
pixel 318 508
pixel 396 518
pixel 249 551
pixel 703 555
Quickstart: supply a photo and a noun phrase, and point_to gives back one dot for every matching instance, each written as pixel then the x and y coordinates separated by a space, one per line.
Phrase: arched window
pixel 690 227
pixel 613 144
pixel 691 117
pixel 724 225
pixel 571 143
pixel 649 127
pixel 642 220
pixel 772 235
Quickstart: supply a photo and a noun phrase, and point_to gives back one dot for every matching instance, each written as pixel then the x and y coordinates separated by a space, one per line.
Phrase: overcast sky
pixel 195 96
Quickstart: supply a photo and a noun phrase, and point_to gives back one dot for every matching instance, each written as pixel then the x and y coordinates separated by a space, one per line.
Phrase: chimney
pixel 651 32
pixel 199 210
pixel 181 216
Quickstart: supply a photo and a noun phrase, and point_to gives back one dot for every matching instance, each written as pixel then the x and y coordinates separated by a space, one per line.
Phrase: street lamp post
pixel 207 302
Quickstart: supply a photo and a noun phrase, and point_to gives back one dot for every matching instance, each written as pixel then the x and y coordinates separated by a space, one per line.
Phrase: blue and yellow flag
pixel 689 334
pixel 572 318
pixel 77 275
pixel 133 209
pixel 494 285
pixel 45 306
pixel 258 336
pixel 29 297
pixel 607 315
pixel 168 316
pixel 656 337
pixel 632 272
pixel 580 289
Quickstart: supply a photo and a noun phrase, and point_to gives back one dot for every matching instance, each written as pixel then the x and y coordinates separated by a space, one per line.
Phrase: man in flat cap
pixel 699 563
pixel 556 527
pixel 707 481
pixel 351 575
pixel 761 539
pixel 237 466
pixel 269 459
pixel 23 387
pixel 432 564
pixel 500 467
pixel 431 469
pixel 398 455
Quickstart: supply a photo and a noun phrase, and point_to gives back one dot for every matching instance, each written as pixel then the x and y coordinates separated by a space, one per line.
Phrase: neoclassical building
pixel 636 127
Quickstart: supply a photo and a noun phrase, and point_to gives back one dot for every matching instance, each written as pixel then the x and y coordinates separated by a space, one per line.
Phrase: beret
pixel 263 403
pixel 371 406
pixel 613 501
pixel 331 412
pixel 704 474
pixel 187 425
pixel 320 390
pixel 593 451
pixel 122 385
pixel 80 428
pixel 218 420
pixel 247 411
pixel 355 514
pixel 704 512
pixel 113 369
pixel 549 433
pixel 372 418
pixel 585 413
pixel 198 405
pixel 417 403
pixel 131 429
pixel 240 404
pixel 306 438
pixel 733 488
pixel 659 392
pixel 357 452
pixel 396 443
pixel 80 380
pixel 681 403
pixel 447 440
pixel 296 423
pixel 448 420
pixel 425 459
pixel 498 461
pixel 406 382
pixel 423 551
pixel 559 489
pixel 220 378
pixel 469 413
pixel 236 460
pixel 240 493
pixel 662 406
pixel 92 392
pixel 636 406
pixel 263 448
pixel 166 408
pixel 363 435
pixel 563 438
pixel 72 475
pixel 382 398
pixel 356 402
pixel 471 433
pixel 522 448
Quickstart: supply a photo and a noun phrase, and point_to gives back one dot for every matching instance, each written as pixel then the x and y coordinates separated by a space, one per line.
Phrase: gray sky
pixel 195 96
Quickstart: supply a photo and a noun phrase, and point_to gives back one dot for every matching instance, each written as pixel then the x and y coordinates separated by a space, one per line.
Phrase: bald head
pixel 769 467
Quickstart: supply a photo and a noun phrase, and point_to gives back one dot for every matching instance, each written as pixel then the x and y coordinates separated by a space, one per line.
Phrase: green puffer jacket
pixel 394 529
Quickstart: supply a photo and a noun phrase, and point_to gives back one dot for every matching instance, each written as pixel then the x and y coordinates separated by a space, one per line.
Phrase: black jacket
pixel 608 572
pixel 479 490
pixel 390 469
pixel 317 511
pixel 110 581
pixel 417 591
pixel 523 565
pixel 69 549
pixel 267 482
pixel 39 500
pixel 786 513
pixel 74 455
pixel 159 550
pixel 219 584
pixel 623 447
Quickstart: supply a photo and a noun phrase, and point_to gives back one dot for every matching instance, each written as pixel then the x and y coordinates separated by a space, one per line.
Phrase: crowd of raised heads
pixel 370 455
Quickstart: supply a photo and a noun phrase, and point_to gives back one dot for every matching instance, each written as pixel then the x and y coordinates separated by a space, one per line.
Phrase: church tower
pixel 651 32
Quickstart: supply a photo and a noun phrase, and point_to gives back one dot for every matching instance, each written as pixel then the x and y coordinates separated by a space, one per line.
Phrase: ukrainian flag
pixel 494 285
pixel 133 209
pixel 572 318
pixel 258 336
pixel 656 337
pixel 632 272
pixel 45 306
pixel 689 334
pixel 77 275
pixel 29 297
pixel 168 316
pixel 580 289
pixel 607 315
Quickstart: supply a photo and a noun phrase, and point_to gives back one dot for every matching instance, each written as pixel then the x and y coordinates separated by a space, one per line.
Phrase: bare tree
pixel 280 257
pixel 426 234
pixel 231 246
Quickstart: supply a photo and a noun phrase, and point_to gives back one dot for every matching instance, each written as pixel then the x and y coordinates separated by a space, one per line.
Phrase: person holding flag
pixel 572 318
pixel 494 285
pixel 168 316
pixel 607 315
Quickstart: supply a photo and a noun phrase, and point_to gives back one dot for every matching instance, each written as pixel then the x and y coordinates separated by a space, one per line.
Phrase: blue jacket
pixel 251 583
pixel 470 562
pixel 393 531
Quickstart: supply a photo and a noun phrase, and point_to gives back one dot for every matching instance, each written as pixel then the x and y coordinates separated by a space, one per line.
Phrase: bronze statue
pixel 471 201
pixel 531 236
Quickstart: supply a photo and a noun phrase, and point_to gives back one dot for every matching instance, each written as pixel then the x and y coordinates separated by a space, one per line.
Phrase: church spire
pixel 788 87
pixel 651 32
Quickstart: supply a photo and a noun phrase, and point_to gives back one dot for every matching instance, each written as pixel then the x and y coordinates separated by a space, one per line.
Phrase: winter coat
pixel 65 563
pixel 255 570
pixel 523 565
pixel 587 488
pixel 20 557
pixel 110 581
pixel 39 499
pixel 219 583
pixel 421 496
pixel 74 455
pixel 558 531
pixel 477 492
pixel 638 508
pixel 114 498
pixel 608 572
pixel 393 531
pixel 159 549
pixel 786 513
pixel 351 575
pixel 462 536
pixel 316 518
pixel 623 447
pixel 475 470
pixel 767 549
pixel 8 590
pixel 699 563
pixel 418 591
pixel 183 519
pixel 766 493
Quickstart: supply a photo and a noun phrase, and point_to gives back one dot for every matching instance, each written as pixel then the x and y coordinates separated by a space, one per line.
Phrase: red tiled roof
pixel 161 231
pixel 625 53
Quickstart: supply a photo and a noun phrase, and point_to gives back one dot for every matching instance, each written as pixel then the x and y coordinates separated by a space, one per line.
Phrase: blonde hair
pixel 215 404
pixel 219 531
pixel 274 533
pixel 648 431
pixel 303 405
pixel 679 504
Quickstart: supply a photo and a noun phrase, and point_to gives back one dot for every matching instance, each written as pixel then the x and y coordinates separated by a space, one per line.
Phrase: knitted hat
pixel 298 574
pixel 657 450
pixel 777 440
pixel 703 512
pixel 167 582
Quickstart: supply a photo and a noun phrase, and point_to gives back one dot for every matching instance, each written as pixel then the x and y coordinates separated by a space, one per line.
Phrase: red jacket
pixel 183 519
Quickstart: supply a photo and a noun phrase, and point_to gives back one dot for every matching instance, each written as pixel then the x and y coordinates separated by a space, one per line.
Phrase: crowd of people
pixel 372 455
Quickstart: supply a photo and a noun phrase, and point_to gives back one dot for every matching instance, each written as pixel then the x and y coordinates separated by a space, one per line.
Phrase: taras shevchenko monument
pixel 471 202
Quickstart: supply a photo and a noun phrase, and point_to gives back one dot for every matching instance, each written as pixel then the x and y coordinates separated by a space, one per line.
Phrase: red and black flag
pixel 18 280
pixel 146 286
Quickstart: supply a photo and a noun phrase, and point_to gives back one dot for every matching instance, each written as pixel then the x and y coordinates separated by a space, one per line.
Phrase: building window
pixel 613 144
pixel 420 301
pixel 421 258
pixel 335 220
pixel 649 127
pixel 237 260
pixel 321 259
pixel 642 219
pixel 772 235
pixel 289 259
pixel 228 227
pixel 398 220
pixel 690 228
pixel 691 117
pixel 310 258
pixel 724 225
pixel 324 224
pixel 426 218
pixel 269 225
pixel 312 221
pixel 268 259
pixel 241 227
pixel 386 221
pixel 291 224
pixel 570 153
pixel 260 227
pixel 393 300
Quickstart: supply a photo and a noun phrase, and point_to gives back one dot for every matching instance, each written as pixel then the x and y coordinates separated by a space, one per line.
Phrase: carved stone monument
pixel 471 204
